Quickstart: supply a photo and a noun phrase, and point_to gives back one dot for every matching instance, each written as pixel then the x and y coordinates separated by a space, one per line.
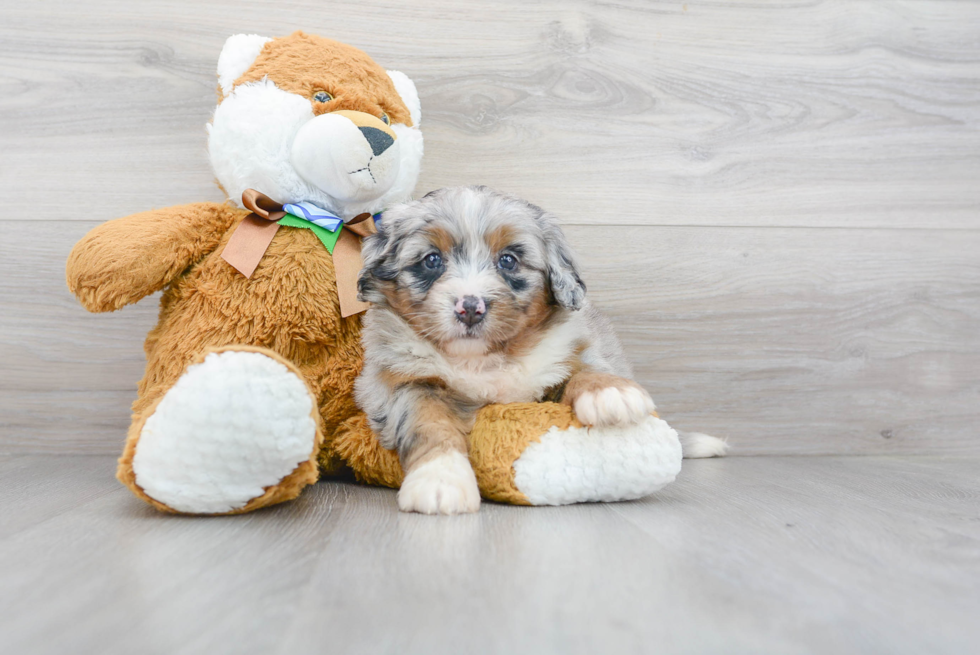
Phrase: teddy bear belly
pixel 289 306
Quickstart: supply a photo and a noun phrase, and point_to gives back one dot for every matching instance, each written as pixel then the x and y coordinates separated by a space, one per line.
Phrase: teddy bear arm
pixel 123 260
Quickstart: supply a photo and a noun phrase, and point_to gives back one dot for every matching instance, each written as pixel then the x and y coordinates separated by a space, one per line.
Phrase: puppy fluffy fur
pixel 476 299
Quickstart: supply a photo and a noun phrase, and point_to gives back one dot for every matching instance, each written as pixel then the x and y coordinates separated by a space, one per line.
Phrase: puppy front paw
pixel 444 485
pixel 613 406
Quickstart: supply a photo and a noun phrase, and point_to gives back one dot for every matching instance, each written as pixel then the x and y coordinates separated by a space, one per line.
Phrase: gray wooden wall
pixel 778 202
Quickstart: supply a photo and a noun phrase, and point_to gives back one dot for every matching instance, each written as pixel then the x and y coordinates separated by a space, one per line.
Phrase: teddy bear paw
pixel 229 429
pixel 444 485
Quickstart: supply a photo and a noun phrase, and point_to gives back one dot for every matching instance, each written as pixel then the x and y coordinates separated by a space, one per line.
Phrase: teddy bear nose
pixel 378 140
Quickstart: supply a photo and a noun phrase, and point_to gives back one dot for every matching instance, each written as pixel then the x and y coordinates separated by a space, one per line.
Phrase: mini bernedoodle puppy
pixel 476 299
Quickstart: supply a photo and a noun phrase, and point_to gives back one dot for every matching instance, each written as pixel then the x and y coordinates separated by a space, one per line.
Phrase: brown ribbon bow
pixel 253 235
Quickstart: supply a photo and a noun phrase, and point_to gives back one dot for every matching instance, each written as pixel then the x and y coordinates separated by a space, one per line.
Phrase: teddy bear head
pixel 302 118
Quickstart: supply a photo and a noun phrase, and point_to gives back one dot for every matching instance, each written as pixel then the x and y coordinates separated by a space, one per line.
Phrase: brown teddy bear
pixel 247 396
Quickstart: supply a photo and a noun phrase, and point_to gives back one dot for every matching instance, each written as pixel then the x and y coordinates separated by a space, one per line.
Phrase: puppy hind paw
pixel 613 406
pixel 444 485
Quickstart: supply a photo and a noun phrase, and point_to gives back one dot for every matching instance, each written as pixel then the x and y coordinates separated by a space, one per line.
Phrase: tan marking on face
pixel 305 64
pixel 526 328
pixel 400 300
pixel 500 238
pixel 421 316
pixel 440 238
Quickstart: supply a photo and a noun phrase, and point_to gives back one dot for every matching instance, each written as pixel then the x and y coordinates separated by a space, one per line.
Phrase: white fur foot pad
pixel 599 464
pixel 444 485
pixel 231 426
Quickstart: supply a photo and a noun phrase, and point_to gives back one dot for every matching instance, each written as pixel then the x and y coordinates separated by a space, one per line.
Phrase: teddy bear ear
pixel 410 96
pixel 236 57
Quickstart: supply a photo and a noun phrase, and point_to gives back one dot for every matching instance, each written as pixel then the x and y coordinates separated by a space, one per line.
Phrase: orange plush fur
pixel 289 305
pixel 304 64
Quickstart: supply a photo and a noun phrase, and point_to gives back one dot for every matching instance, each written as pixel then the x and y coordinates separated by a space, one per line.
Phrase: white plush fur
pixel 230 427
pixel 599 464
pixel 329 152
pixel 444 485
pixel 252 143
pixel 237 56
pixel 410 151
pixel 251 140
pixel 409 94
pixel 697 445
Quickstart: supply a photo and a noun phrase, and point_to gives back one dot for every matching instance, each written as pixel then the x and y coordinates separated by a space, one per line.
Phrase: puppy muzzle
pixel 350 155
pixel 470 310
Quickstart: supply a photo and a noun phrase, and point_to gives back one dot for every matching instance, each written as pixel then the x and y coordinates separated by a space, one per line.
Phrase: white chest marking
pixel 498 378
pixel 501 381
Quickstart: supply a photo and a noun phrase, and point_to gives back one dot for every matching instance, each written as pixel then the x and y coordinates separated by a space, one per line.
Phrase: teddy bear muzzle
pixel 350 155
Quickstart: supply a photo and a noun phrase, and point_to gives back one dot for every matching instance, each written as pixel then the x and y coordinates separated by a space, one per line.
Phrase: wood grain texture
pixel 745 555
pixel 834 113
pixel 36 489
pixel 784 340
pixel 777 202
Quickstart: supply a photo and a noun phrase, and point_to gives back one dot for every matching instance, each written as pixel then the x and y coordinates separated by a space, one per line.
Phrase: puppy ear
pixel 237 56
pixel 409 94
pixel 377 252
pixel 566 285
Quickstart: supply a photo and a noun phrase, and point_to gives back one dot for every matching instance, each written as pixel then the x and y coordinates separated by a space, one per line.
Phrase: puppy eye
pixel 507 262
pixel 433 260
pixel 322 96
pixel 385 119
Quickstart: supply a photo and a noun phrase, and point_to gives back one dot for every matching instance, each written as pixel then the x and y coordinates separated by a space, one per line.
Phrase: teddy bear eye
pixel 322 96
pixel 385 119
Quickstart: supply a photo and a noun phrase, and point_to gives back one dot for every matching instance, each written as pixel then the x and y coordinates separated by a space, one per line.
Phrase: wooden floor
pixel 744 555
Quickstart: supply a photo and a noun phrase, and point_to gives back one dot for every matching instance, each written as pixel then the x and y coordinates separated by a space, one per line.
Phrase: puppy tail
pixel 696 445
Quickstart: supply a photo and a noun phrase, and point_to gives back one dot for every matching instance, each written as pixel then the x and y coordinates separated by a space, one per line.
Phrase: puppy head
pixel 470 269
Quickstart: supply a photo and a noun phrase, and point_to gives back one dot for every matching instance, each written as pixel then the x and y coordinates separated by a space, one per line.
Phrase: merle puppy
pixel 476 299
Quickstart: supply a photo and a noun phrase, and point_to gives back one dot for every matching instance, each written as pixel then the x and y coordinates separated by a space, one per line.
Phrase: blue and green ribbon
pixel 326 226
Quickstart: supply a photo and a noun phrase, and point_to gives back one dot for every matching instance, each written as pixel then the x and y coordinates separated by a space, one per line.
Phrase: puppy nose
pixel 378 140
pixel 470 310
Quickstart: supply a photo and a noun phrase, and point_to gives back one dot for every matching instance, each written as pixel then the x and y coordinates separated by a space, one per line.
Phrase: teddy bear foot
pixel 540 454
pixel 599 464
pixel 237 431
